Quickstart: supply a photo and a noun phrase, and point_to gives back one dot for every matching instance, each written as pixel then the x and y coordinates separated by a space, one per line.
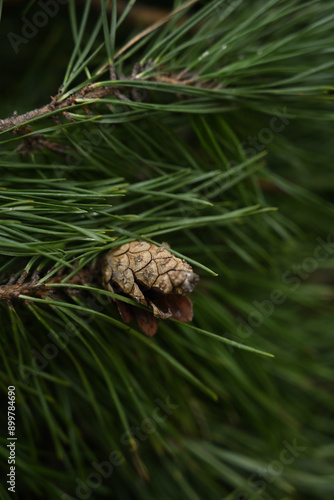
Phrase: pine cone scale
pixel 152 276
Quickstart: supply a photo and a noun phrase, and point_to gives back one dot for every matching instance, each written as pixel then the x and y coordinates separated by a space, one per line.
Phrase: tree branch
pixel 19 286
pixel 88 92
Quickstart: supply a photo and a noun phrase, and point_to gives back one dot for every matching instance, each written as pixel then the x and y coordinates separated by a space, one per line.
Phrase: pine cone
pixel 153 277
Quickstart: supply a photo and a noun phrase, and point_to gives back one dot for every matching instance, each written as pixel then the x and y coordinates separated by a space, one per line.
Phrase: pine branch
pixel 89 93
pixel 28 285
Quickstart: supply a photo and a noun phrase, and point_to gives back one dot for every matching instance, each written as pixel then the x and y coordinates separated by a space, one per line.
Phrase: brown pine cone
pixel 153 277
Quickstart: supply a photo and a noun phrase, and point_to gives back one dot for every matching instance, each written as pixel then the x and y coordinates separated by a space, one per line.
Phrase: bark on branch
pixel 17 286
pixel 88 93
